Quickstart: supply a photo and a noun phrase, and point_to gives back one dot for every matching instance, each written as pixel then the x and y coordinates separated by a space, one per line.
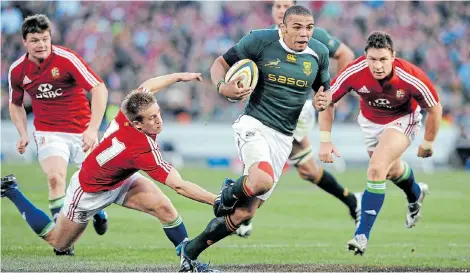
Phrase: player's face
pixel 297 32
pixel 38 45
pixel 151 120
pixel 380 61
pixel 278 9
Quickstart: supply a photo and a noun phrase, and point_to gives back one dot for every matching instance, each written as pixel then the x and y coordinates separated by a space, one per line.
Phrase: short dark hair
pixel 296 10
pixel 37 23
pixel 379 39
pixel 135 102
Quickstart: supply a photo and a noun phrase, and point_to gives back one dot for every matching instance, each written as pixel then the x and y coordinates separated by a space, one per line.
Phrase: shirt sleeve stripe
pixel 157 155
pixel 419 85
pixel 13 65
pixel 79 65
pixel 347 73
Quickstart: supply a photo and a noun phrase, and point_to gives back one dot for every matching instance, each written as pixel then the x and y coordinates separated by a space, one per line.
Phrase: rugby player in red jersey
pixel 56 78
pixel 393 91
pixel 110 175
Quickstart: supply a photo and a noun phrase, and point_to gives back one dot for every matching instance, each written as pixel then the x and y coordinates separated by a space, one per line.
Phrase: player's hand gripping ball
pixel 248 70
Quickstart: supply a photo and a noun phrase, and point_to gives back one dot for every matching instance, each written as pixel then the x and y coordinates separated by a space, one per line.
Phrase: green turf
pixel 300 224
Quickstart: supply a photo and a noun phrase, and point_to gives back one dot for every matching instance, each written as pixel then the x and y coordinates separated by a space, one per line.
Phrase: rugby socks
pixel 328 183
pixel 217 229
pixel 175 231
pixel 36 218
pixel 372 202
pixel 407 183
pixel 55 205
pixel 238 191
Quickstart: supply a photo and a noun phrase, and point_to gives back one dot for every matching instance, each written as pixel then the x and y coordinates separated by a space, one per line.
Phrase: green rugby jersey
pixel 286 77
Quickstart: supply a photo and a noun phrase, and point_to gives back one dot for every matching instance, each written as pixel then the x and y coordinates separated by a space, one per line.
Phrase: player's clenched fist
pixel 235 90
pixel 425 149
pixel 22 144
pixel 90 139
pixel 321 100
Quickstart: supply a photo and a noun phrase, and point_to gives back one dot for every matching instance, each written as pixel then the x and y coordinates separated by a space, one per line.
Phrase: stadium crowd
pixel 127 42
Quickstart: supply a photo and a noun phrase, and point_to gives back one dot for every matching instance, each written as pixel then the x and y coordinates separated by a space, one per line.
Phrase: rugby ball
pixel 248 69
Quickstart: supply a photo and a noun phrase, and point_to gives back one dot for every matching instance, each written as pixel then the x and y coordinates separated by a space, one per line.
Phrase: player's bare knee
pixel 55 242
pixel 55 179
pixel 261 178
pixel 242 214
pixel 395 171
pixel 307 172
pixel 376 171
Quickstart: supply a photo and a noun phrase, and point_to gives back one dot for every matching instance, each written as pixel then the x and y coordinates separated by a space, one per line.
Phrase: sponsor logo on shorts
pixel 41 140
pixel 250 134
pixel 82 216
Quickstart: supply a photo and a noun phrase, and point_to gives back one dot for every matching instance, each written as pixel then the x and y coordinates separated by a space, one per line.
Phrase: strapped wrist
pixel 427 145
pixel 219 84
pixel 325 136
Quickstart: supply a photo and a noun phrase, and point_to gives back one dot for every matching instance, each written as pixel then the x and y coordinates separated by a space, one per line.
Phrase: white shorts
pixel 66 145
pixel 306 122
pixel 257 142
pixel 409 125
pixel 80 206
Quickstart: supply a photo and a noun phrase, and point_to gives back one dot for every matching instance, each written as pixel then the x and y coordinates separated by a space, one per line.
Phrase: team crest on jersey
pixel 400 93
pixel 307 68
pixel 291 58
pixel 273 64
pixel 55 72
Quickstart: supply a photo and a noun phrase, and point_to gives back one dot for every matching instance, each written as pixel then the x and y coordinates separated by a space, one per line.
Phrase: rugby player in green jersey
pixel 291 64
pixel 302 155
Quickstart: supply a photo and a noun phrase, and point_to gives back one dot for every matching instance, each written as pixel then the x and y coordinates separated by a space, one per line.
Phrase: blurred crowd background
pixel 129 42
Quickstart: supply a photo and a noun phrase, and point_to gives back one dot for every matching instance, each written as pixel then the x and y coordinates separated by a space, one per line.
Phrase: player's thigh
pixel 55 168
pixel 143 195
pixel 390 147
pixel 65 233
pixel 80 206
pixel 252 145
pixel 77 155
pixel 52 144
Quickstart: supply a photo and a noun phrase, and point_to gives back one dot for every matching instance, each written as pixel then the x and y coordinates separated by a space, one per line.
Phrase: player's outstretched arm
pixel 18 116
pixel 188 189
pixel 433 122
pixel 325 122
pixel 156 84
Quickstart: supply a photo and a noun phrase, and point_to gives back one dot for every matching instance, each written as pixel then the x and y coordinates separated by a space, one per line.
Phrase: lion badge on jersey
pixel 55 72
pixel 307 68
pixel 400 93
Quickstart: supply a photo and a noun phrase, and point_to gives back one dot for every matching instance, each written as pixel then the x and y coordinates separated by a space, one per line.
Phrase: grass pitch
pixel 300 228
